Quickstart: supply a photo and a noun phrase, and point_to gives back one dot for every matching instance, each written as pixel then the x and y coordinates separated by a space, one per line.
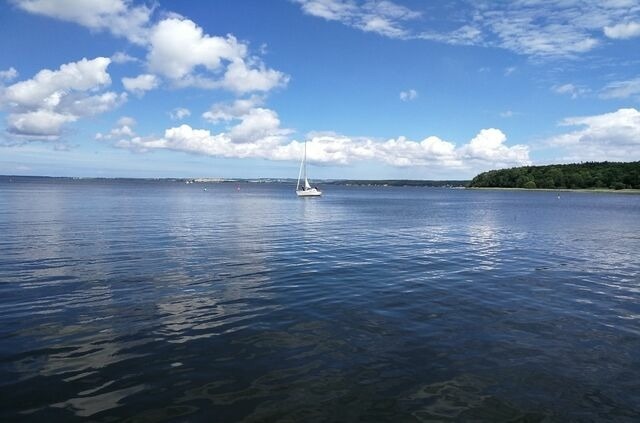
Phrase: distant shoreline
pixel 585 190
pixel 209 180
pixel 399 183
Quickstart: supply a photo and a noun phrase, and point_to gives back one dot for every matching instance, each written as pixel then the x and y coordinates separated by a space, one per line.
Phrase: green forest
pixel 610 175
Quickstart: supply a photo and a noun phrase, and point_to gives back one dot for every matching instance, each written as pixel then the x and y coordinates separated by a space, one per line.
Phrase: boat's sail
pixel 305 189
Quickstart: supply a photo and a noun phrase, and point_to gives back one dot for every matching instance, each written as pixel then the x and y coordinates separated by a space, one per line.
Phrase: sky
pixel 377 89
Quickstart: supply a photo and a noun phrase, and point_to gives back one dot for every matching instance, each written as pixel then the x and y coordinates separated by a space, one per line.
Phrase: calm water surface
pixel 162 301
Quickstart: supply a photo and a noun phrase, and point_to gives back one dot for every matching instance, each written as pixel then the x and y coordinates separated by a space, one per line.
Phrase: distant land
pixel 356 182
pixel 400 183
pixel 589 175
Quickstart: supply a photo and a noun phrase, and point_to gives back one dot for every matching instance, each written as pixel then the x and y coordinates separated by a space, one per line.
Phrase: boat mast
pixel 304 160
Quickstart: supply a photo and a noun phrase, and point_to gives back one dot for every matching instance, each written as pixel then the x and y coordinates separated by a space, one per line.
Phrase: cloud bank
pixel 253 131
pixel 611 136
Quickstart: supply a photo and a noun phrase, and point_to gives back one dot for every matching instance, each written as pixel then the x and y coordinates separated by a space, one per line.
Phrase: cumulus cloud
pixel 179 113
pixel 140 83
pixel 623 30
pixel 39 107
pixel 179 49
pixel 408 95
pixel 179 45
pixel 123 131
pixel 81 106
pixel 50 86
pixel 489 146
pixel 116 16
pixel 247 121
pixel 258 123
pixel 40 123
pixel 8 75
pixel 242 79
pixel 222 112
pixel 254 132
pixel 609 136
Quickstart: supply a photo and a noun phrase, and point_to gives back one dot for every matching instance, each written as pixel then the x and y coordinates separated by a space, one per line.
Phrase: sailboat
pixel 304 189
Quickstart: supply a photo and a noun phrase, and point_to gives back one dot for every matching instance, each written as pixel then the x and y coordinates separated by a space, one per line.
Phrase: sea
pixel 146 301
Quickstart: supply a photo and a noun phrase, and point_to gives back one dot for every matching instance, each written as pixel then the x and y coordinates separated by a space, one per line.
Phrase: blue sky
pixel 378 89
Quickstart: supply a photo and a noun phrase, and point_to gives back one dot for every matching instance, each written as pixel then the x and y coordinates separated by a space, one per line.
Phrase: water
pixel 162 301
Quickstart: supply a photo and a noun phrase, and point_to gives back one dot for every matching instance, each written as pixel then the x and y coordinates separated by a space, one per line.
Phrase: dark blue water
pixel 162 301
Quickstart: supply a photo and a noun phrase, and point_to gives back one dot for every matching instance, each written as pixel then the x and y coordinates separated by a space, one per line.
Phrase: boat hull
pixel 309 193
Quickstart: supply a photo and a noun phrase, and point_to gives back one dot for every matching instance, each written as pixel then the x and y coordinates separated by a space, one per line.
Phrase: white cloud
pixel 80 105
pixel 547 29
pixel 507 114
pixel 179 45
pixel 621 89
pixel 508 71
pixel 530 27
pixel 120 57
pixel 623 30
pixel 116 16
pixel 47 85
pixel 241 79
pixel 8 75
pixel 465 35
pixel 38 124
pixel 489 146
pixel 380 16
pixel 222 112
pixel 333 10
pixel 408 95
pixel 257 124
pixel 140 83
pixel 179 49
pixel 123 131
pixel 569 89
pixel 126 121
pixel 256 133
pixel 610 136
pixel 39 107
pixel 179 113
pixel 247 122
pixel 533 33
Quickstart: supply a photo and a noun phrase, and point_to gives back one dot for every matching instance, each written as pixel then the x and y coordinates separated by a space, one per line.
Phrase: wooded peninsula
pixel 589 175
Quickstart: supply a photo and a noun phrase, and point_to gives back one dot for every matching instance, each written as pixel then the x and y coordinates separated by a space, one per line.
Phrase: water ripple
pixel 160 301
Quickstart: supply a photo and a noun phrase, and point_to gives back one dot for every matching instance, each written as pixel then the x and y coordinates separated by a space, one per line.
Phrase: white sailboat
pixel 304 189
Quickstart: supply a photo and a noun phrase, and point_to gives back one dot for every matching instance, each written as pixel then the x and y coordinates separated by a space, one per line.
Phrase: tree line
pixel 611 175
